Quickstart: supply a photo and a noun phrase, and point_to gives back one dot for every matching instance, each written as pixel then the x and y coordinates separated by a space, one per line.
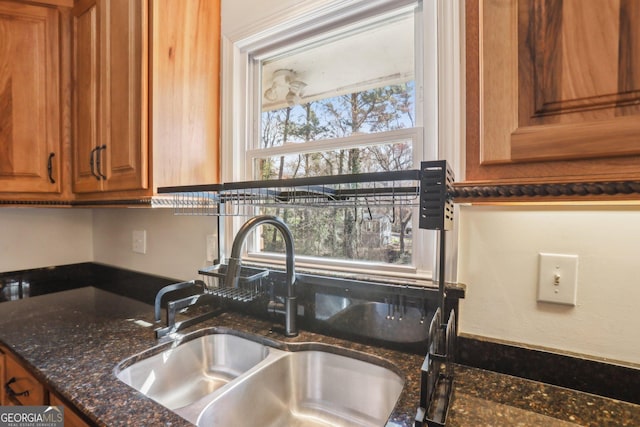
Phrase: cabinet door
pixel 3 380
pixel 185 101
pixel 553 90
pixel 124 156
pixel 71 418
pixel 110 150
pixel 21 381
pixel 86 75
pixel 30 148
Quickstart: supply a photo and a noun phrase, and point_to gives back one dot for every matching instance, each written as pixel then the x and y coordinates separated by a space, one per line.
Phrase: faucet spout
pixel 233 269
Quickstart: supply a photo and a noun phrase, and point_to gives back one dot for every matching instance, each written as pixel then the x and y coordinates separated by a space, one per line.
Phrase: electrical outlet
pixel 139 241
pixel 558 278
pixel 211 247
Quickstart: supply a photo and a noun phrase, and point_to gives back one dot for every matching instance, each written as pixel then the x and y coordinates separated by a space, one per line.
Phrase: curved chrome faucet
pixel 233 270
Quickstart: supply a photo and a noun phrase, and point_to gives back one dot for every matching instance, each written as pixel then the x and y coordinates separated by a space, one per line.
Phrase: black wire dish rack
pixel 429 189
pixel 377 189
pixel 250 284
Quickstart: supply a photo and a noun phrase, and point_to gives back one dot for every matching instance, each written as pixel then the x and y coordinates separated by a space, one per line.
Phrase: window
pixel 344 90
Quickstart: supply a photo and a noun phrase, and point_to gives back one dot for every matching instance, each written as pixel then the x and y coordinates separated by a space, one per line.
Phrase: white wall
pixel 42 237
pixel 498 261
pixel 176 245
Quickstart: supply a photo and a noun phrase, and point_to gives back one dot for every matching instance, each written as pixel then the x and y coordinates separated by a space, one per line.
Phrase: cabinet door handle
pixel 99 161
pixel 50 168
pixel 92 163
pixel 10 392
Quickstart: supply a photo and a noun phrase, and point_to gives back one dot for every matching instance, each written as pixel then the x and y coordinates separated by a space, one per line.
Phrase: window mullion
pixel 337 143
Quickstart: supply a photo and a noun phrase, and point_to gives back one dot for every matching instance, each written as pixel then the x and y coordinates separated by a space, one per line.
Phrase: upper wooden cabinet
pixel 185 92
pixel 110 143
pixel 30 101
pixel 146 98
pixel 553 91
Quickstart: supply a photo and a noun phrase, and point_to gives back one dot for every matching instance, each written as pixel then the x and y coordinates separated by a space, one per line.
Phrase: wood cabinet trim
pixel 564 192
pixel 61 3
pixel 553 142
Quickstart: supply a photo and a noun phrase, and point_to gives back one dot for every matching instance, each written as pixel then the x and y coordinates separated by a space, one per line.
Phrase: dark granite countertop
pixel 73 340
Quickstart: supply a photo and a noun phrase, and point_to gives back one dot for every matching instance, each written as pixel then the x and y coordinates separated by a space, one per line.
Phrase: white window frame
pixel 441 78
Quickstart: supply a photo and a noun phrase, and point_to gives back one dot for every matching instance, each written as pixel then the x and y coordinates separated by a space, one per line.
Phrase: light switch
pixel 558 278
pixel 139 241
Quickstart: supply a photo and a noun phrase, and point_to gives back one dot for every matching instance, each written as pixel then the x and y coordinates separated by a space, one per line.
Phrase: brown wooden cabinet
pixel 3 381
pixel 110 144
pixel 185 92
pixel 146 99
pixel 31 157
pixel 17 378
pixel 107 99
pixel 25 388
pixel 71 417
pixel 553 91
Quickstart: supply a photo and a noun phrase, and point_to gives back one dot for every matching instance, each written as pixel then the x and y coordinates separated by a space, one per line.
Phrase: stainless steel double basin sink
pixel 221 377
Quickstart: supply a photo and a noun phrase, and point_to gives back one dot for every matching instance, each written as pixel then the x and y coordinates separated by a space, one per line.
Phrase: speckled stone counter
pixel 73 340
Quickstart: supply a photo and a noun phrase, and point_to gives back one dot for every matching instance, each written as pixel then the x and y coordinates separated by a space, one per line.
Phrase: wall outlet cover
pixel 558 278
pixel 139 241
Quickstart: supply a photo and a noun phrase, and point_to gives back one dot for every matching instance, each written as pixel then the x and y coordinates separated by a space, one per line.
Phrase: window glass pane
pixel 364 159
pixel 356 81
pixel 374 110
pixel 380 234
pixel 360 80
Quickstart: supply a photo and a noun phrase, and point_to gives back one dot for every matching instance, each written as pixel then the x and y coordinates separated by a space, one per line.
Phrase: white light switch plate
pixel 558 278
pixel 139 241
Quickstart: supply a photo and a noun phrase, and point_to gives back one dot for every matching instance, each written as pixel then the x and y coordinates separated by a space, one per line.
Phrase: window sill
pixel 394 274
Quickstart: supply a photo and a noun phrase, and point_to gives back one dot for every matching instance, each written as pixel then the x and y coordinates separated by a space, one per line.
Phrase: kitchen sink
pixel 222 379
pixel 180 376
pixel 309 388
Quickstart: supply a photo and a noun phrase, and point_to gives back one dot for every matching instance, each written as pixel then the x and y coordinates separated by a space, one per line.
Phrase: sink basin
pixel 180 376
pixel 223 379
pixel 309 388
